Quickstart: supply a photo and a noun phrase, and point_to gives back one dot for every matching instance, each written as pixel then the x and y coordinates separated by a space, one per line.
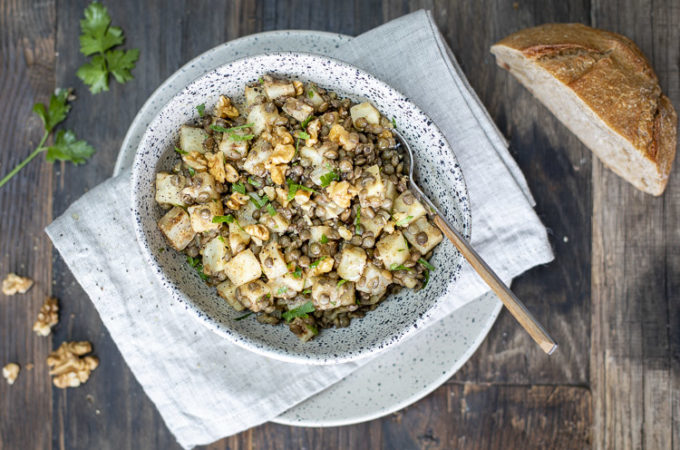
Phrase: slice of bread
pixel 601 87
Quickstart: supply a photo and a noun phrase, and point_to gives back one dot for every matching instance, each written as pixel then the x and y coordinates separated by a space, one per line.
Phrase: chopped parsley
pixel 222 219
pixel 404 221
pixel 306 122
pixel 341 282
pixel 300 311
pixel 260 80
pixel 427 278
pixel 297 273
pixel 281 290
pixel 271 210
pixel 238 187
pixel 329 177
pixel 254 182
pixel 394 123
pixel 303 135
pixel 426 264
pixel 396 266
pixel 324 239
pixel 232 132
pixel 180 151
pixel 196 264
pixel 307 291
pixel 315 264
pixel 192 172
pixel 312 328
pixel 201 109
pixel 293 188
pixel 257 201
pixel 244 316
pixel 310 93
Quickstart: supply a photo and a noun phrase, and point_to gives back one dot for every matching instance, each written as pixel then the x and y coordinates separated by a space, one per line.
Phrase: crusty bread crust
pixel 609 76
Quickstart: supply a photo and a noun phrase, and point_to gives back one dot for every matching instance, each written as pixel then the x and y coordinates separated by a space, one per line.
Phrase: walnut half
pixel 68 365
pixel 11 372
pixel 47 317
pixel 14 284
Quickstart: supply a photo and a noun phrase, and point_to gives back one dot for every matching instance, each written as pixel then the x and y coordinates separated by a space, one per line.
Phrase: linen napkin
pixel 206 388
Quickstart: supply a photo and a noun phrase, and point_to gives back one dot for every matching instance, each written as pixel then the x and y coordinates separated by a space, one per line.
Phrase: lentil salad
pixel 295 205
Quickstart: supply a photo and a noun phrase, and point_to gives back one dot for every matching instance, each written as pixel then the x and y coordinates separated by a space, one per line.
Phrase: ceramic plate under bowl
pixel 396 318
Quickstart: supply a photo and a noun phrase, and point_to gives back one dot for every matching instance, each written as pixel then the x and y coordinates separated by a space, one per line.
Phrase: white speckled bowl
pixel 439 174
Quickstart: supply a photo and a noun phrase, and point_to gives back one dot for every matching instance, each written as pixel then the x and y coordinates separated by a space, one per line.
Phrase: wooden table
pixel 610 298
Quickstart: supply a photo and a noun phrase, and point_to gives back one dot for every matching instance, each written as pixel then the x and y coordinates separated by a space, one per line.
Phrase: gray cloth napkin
pixel 206 388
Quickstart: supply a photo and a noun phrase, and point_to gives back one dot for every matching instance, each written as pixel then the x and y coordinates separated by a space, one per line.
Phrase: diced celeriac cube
pixel 252 94
pixel 176 226
pixel 373 193
pixel 254 295
pixel 390 189
pixel 323 264
pixel 276 223
pixel 422 225
pixel 261 119
pixel 191 139
pixel 406 209
pixel 243 268
pixel 392 250
pixel 352 263
pixel 233 149
pixel 202 187
pixel 167 192
pixel 202 216
pixel 313 95
pixel 365 110
pixel 318 232
pixel 313 156
pixel 374 281
pixel 374 224
pixel 257 158
pixel 326 294
pixel 286 286
pixel 278 88
pixel 244 215
pixel 297 109
pixel 214 256
pixel 272 261
pixel 341 193
pixel 227 291
pixel 238 238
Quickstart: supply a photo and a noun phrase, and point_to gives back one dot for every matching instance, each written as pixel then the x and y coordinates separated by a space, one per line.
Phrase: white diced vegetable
pixel 227 291
pixel 244 215
pixel 202 187
pixel 406 209
pixel 276 223
pixel 297 109
pixel 326 294
pixel 278 88
pixel 252 94
pixel 286 286
pixel 352 263
pixel 374 281
pixel 233 149
pixel 372 193
pixel 392 250
pixel 422 225
pixel 214 256
pixel 238 239
pixel 318 232
pixel 390 190
pixel 272 261
pixel 202 216
pixel 254 295
pixel 176 226
pixel 313 95
pixel 367 111
pixel 261 119
pixel 257 158
pixel 168 193
pixel 373 224
pixel 191 139
pixel 243 268
pixel 323 264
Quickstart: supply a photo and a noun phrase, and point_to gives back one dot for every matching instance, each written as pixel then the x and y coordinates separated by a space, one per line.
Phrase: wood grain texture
pixel 460 416
pixel 26 76
pixel 636 268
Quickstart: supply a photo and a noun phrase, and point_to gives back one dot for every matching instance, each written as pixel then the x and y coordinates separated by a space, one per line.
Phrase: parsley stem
pixel 21 165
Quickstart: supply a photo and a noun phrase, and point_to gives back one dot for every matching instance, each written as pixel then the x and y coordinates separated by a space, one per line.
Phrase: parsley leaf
pixel 404 221
pixel 300 311
pixel 394 122
pixel 231 132
pixel 396 266
pixel 426 264
pixel 97 39
pixel 254 182
pixel 57 110
pixel 257 201
pixel 244 316
pixel 238 187
pixel 310 93
pixel 68 148
pixel 306 122
pixel 307 291
pixel 201 109
pixel 196 264
pixel 180 151
pixel 315 264
pixel 271 210
pixel 281 290
pixel 303 135
pixel 341 282
pixel 329 177
pixel 192 172
pixel 324 239
pixel 297 273
pixel 222 219
pixel 427 278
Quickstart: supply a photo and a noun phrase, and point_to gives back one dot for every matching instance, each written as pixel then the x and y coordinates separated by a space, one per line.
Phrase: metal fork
pixel 514 305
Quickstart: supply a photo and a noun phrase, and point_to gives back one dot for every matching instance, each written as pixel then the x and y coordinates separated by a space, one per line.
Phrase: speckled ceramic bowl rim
pixel 245 341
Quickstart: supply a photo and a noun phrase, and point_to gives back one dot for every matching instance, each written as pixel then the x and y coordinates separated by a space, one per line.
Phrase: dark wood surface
pixel 610 298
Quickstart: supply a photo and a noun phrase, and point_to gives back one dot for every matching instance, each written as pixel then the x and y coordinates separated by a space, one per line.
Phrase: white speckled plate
pixel 417 366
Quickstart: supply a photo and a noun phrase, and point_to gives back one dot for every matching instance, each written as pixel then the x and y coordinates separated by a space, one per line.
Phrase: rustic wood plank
pixel 557 168
pixel 461 416
pixel 27 36
pixel 636 261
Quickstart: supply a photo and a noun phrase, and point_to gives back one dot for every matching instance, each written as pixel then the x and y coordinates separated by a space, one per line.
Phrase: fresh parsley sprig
pixel 98 37
pixel 328 178
pixel 66 146
pixel 300 311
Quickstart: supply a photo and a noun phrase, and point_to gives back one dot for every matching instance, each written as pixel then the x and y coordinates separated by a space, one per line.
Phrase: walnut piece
pixel 278 173
pixel 14 284
pixel 343 137
pixel 236 200
pixel 257 231
pixel 231 174
pixel 68 365
pixel 341 193
pixel 11 372
pixel 216 166
pixel 196 161
pixel 225 109
pixel 47 317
